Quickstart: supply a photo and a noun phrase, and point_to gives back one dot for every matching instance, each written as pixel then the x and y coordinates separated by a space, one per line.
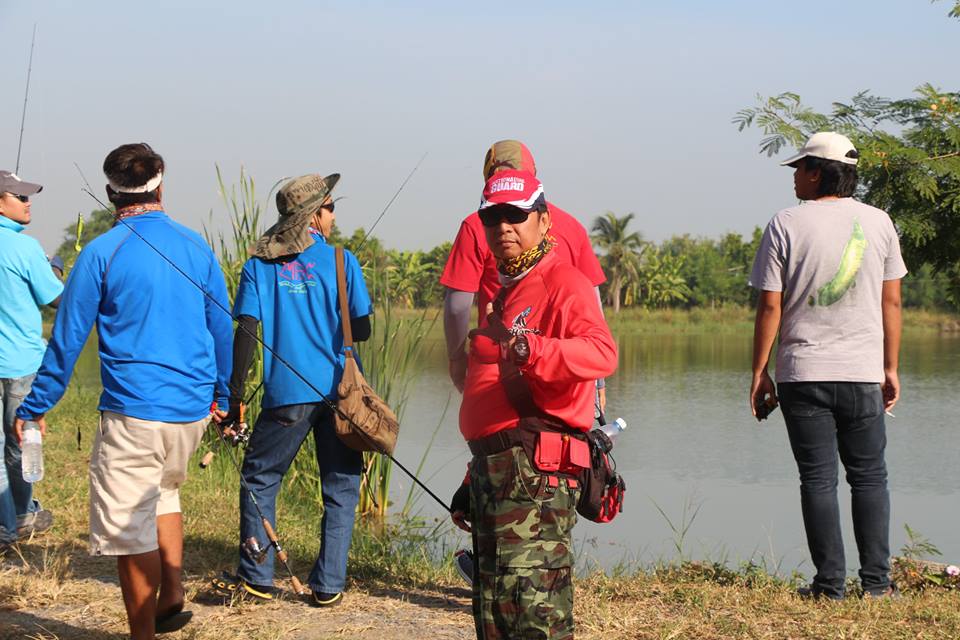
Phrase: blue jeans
pixel 276 438
pixel 16 495
pixel 824 419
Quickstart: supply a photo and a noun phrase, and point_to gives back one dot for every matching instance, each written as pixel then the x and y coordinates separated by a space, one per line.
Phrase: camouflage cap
pixel 508 154
pixel 297 201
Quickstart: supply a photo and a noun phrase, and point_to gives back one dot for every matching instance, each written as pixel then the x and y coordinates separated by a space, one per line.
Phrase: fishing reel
pixel 254 550
pixel 237 434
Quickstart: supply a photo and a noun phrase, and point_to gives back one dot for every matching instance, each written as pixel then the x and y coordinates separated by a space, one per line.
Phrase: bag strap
pixel 344 307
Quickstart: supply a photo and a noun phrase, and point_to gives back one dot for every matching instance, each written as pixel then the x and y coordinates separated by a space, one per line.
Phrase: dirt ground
pixel 91 608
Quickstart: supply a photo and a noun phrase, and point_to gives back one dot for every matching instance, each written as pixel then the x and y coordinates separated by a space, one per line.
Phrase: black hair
pixel 132 165
pixel 836 178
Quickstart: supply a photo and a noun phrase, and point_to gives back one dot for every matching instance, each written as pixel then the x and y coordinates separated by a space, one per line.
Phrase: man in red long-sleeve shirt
pixel 529 388
pixel 470 274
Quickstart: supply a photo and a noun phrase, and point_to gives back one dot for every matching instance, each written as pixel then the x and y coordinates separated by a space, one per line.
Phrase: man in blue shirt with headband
pixel 289 286
pixel 157 295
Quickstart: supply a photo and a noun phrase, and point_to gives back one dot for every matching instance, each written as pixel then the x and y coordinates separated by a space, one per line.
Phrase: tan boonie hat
pixel 297 201
pixel 508 154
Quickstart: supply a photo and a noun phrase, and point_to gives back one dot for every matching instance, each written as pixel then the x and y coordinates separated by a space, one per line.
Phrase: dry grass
pixel 51 589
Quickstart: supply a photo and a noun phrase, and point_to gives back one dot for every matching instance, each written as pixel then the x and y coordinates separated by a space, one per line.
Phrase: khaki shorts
pixel 136 470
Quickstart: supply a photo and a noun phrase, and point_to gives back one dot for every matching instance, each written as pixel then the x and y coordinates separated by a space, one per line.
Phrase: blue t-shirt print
pixel 297 306
pixel 295 277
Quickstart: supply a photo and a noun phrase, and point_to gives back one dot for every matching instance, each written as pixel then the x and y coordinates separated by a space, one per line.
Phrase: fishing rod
pixel 251 546
pixel 26 94
pixel 382 213
pixel 252 334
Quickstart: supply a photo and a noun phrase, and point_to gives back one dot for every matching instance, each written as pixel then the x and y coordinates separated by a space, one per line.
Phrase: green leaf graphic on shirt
pixel 850 264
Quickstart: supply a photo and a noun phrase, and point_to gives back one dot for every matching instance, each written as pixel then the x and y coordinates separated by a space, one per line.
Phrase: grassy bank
pixel 51 589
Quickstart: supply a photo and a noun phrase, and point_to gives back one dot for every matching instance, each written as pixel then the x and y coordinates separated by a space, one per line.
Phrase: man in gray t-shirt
pixel 829 272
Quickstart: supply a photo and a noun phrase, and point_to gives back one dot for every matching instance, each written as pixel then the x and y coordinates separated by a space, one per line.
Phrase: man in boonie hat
pixel 290 287
pixel 828 271
pixel 26 283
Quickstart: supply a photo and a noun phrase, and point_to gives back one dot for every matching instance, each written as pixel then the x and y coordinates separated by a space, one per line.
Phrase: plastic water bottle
pixel 32 448
pixel 613 429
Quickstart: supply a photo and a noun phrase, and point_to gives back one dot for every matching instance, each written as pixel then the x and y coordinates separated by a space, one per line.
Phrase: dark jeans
pixel 824 419
pixel 276 438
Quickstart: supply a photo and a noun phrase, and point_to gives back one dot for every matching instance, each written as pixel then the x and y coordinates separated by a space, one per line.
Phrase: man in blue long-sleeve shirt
pixel 165 355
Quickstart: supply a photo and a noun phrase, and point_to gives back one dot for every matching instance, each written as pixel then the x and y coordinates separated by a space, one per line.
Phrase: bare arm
pixel 892 325
pixel 765 329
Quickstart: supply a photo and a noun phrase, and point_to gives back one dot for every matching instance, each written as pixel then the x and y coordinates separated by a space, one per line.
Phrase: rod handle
pixel 297 586
pixel 207 459
pixel 271 534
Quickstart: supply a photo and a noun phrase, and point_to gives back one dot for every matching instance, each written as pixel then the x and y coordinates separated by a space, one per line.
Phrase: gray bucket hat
pixel 297 201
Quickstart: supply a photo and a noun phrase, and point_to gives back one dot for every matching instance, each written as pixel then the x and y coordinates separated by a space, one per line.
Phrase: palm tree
pixel 622 252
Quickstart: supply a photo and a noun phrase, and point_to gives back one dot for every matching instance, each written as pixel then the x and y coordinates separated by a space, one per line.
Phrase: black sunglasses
pixel 21 198
pixel 328 206
pixel 491 216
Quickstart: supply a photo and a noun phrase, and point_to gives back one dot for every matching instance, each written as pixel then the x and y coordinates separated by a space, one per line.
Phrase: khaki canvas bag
pixel 363 420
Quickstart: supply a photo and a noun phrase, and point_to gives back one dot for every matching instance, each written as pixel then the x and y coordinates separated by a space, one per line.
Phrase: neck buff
pixel 138 209
pixel 513 267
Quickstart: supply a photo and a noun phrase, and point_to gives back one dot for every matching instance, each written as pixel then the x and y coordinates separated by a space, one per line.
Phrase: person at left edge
pixel 289 287
pixel 26 283
pixel 165 355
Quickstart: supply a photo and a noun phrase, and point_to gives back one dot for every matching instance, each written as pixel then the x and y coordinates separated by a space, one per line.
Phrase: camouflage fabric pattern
pixel 508 154
pixel 521 522
pixel 297 201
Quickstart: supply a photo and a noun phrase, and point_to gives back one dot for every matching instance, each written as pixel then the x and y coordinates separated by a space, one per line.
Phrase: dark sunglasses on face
pixel 328 206
pixel 492 216
pixel 20 198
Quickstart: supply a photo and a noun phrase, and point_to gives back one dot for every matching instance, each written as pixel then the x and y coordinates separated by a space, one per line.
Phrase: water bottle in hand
pixel 32 457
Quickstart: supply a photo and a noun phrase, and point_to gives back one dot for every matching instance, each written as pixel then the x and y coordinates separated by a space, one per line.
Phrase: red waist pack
pixel 587 458
pixel 601 487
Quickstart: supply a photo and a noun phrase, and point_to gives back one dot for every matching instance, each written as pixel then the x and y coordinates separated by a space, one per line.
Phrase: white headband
pixel 151 184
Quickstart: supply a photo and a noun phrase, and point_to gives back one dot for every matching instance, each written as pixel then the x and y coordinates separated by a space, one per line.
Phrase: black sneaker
pixel 890 593
pixel 321 599
pixel 33 523
pixel 463 561
pixel 813 592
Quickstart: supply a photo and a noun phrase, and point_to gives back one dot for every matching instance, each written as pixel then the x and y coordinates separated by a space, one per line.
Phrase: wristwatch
pixel 520 351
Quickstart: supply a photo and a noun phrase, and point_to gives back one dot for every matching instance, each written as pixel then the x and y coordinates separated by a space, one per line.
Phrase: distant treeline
pixel 682 272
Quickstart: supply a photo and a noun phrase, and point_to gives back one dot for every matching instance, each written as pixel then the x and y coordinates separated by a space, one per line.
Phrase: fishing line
pixel 331 405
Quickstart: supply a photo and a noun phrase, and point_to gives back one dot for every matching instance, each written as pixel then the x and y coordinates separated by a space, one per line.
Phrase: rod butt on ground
pixel 297 586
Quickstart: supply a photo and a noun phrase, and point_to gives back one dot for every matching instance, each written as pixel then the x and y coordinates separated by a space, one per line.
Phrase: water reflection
pixel 691 439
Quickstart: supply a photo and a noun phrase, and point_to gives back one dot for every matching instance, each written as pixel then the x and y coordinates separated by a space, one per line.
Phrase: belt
pixel 496 442
pixel 523 434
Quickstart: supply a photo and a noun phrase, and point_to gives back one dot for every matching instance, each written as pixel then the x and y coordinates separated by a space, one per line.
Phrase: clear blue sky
pixel 626 106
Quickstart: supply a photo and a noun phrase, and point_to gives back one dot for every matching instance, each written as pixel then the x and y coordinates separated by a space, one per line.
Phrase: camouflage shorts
pixel 521 521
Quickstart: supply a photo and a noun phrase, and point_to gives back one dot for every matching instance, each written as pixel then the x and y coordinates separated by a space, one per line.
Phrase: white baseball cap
pixel 827 145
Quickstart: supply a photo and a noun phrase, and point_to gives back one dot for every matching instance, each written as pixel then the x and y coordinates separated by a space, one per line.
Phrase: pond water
pixel 693 451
